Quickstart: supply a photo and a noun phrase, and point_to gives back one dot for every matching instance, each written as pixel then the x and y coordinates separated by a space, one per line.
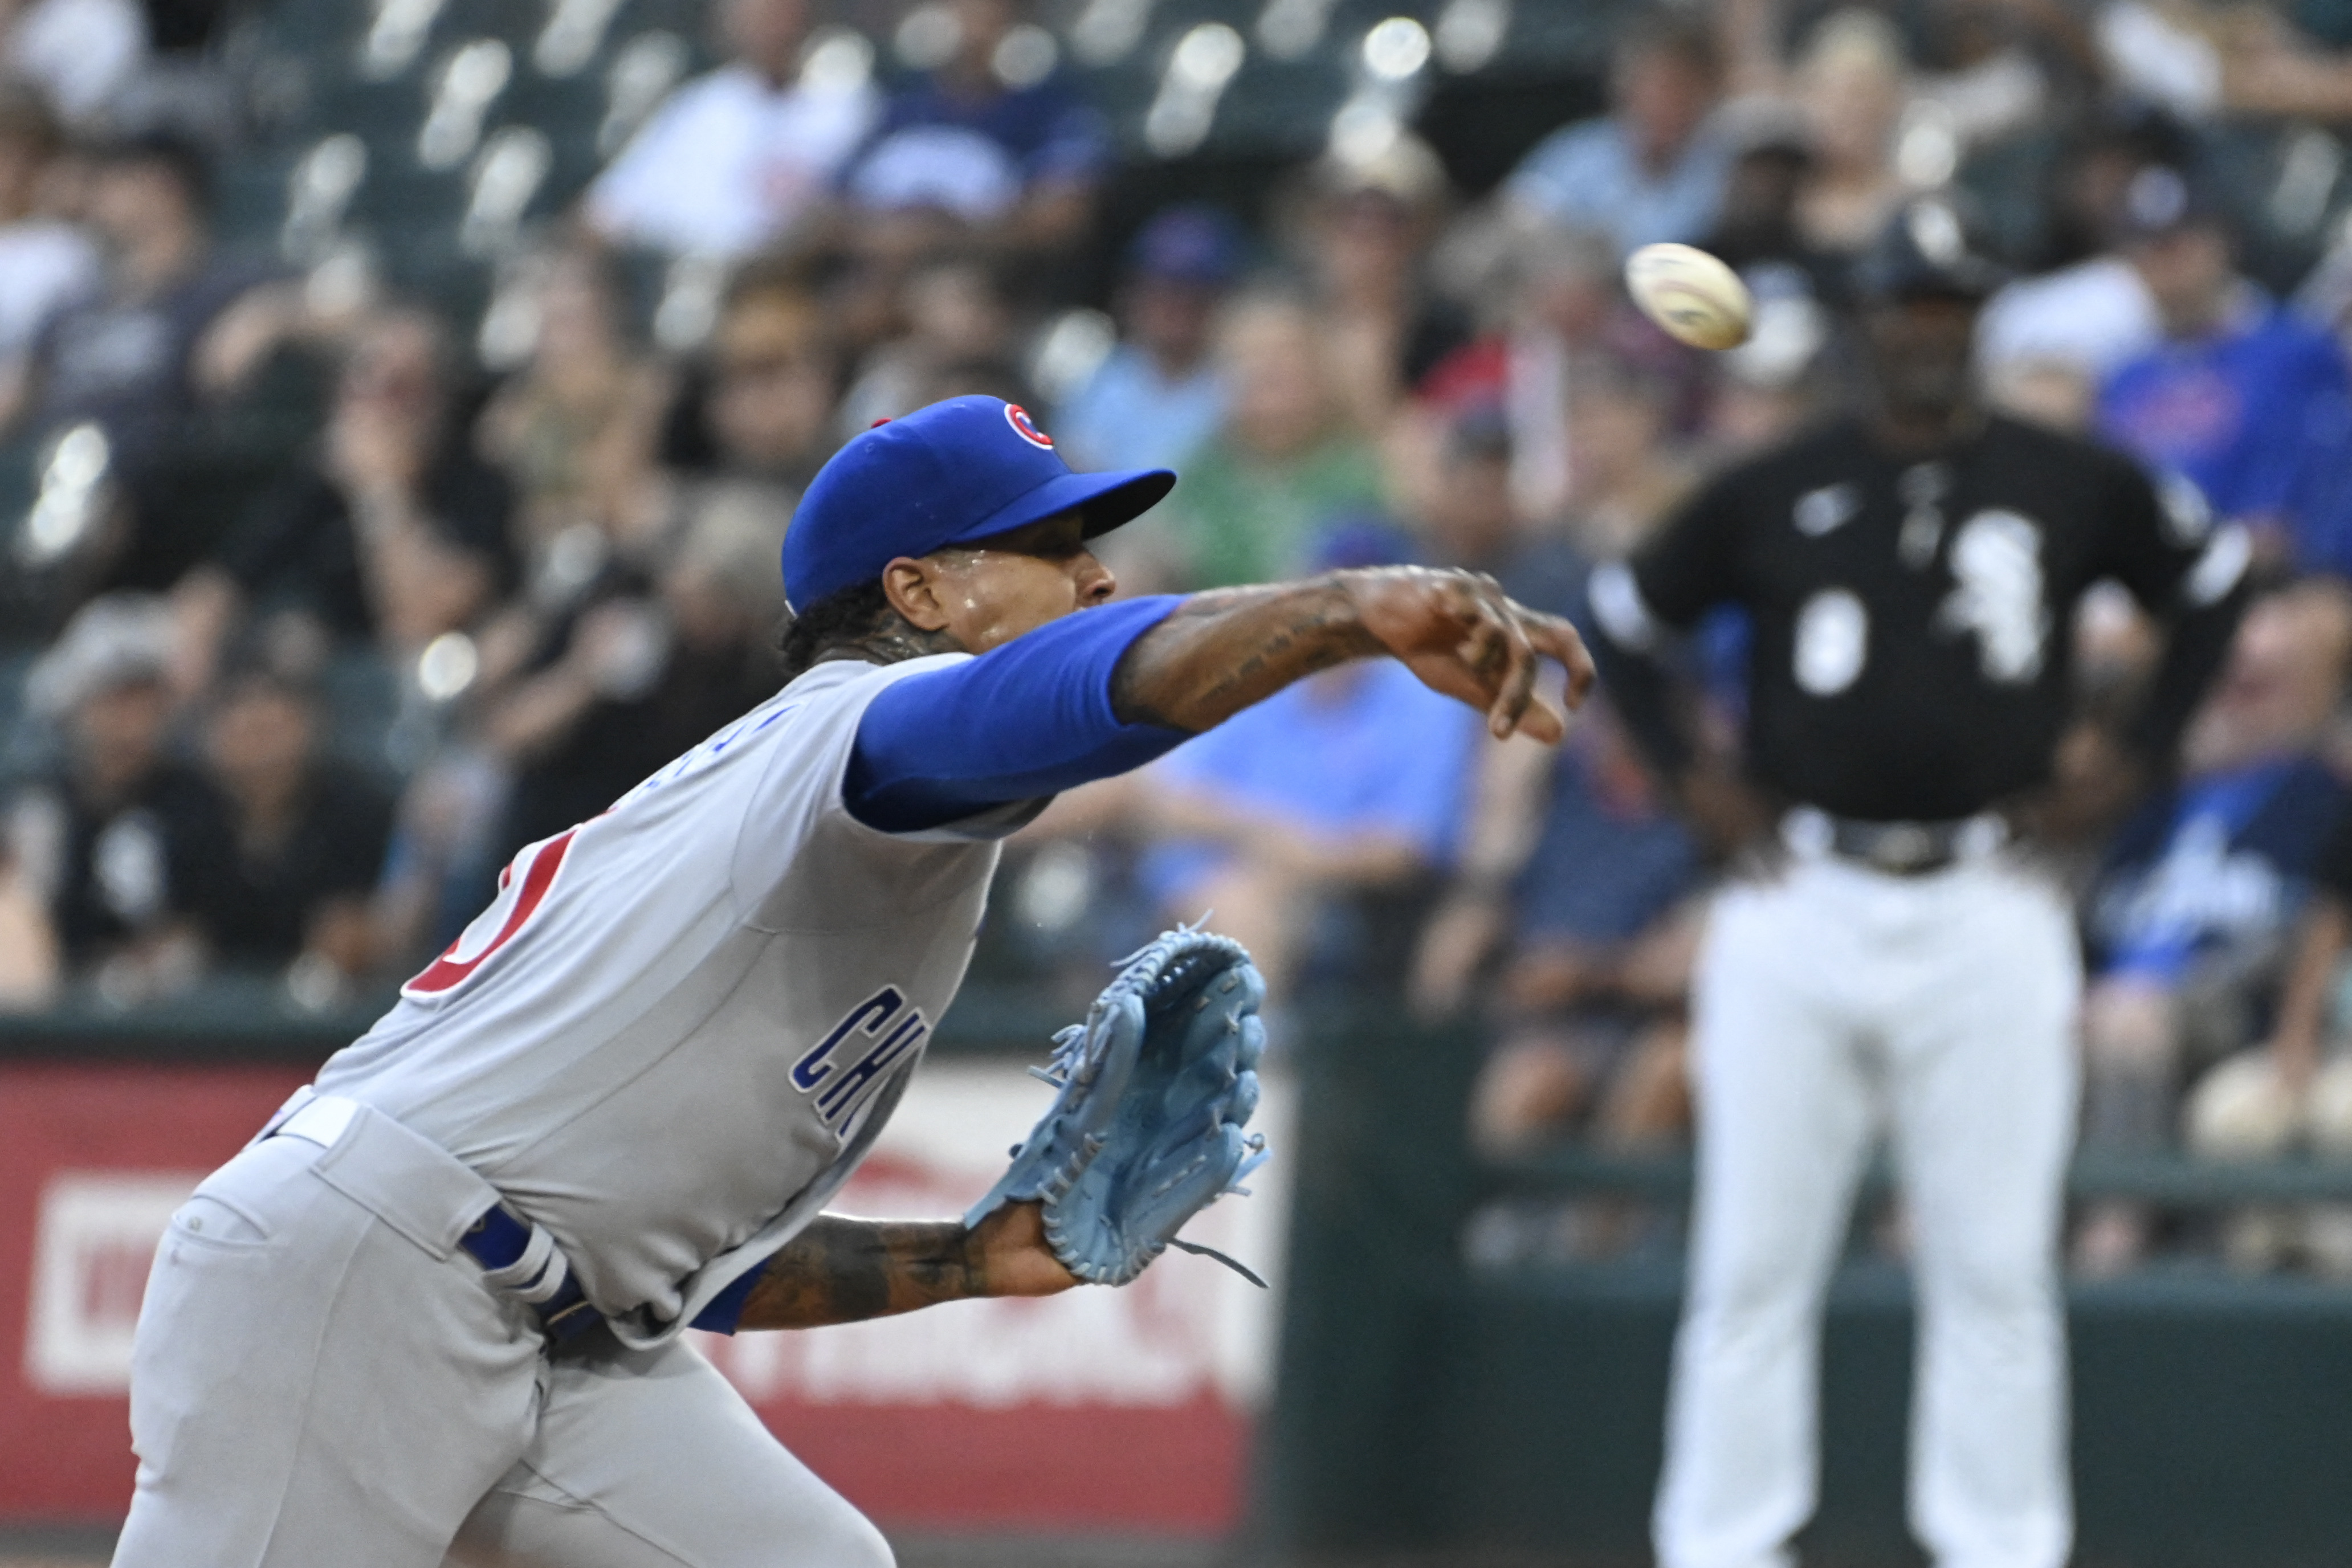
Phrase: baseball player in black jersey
pixel 1911 574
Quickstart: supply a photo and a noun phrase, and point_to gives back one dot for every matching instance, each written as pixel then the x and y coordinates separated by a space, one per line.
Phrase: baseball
pixel 1695 297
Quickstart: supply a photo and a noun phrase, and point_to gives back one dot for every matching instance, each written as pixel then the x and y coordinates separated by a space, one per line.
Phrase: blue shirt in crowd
pixel 1365 749
pixel 1612 858
pixel 2321 505
pixel 2253 414
pixel 1128 416
pixel 1587 175
pixel 2216 861
pixel 975 156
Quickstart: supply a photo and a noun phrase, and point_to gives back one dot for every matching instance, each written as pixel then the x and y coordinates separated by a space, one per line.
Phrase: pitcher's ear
pixel 912 588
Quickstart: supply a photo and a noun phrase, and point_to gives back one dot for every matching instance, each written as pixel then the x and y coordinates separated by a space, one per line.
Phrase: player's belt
pixel 425 1193
pixel 522 1259
pixel 1897 848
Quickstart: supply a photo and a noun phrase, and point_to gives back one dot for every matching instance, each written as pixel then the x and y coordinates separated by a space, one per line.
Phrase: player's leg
pixel 1985 1093
pixel 650 1459
pixel 310 1388
pixel 1784 1117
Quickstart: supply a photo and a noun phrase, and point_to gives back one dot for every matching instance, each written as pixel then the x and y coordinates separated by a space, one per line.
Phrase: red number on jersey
pixel 539 875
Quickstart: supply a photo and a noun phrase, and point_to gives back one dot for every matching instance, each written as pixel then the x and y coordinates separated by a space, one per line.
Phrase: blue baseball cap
pixel 953 472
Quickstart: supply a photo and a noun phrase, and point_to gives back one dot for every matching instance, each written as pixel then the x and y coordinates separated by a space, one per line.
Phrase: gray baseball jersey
pixel 672 1034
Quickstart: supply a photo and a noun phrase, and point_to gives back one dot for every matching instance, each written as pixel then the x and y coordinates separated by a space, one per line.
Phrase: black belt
pixel 1909 849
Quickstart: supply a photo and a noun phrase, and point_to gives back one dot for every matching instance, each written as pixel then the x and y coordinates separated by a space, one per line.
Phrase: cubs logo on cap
pixel 1025 427
pixel 943 475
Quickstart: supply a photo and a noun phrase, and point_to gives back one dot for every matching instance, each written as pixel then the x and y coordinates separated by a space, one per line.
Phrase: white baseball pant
pixel 1826 1000
pixel 310 1388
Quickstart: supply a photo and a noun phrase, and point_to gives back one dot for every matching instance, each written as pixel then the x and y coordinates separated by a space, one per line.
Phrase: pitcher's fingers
pixel 1558 638
pixel 1519 682
pixel 1481 653
pixel 1543 721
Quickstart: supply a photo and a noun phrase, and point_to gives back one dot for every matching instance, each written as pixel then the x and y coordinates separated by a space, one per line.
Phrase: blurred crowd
pixel 466 587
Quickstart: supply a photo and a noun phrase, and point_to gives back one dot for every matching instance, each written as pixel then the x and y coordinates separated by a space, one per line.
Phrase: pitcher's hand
pixel 1462 635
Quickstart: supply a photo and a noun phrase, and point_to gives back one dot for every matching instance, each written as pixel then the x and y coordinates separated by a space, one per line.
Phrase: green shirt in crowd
pixel 1242 518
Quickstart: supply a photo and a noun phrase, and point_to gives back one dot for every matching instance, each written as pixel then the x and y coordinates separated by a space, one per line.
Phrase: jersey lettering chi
pixel 857 1055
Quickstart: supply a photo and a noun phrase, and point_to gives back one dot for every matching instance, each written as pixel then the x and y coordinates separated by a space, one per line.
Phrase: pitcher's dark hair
pixel 851 615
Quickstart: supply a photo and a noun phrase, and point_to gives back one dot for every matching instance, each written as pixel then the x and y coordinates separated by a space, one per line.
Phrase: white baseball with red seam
pixel 1693 296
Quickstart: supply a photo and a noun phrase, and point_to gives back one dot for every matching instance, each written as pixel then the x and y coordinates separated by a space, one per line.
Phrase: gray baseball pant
pixel 316 1386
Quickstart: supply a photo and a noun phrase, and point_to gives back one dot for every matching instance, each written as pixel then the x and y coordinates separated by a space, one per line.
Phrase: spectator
pixel 1850 82
pixel 634 681
pixel 1283 463
pixel 1623 479
pixel 1565 309
pixel 2000 65
pixel 305 837
pixel 575 429
pixel 2296 1088
pixel 394 532
pixel 1758 229
pixel 120 840
pixel 138 360
pixel 1467 518
pixel 1579 870
pixel 993 375
pixel 2325 293
pixel 1652 170
pixel 2189 918
pixel 2203 63
pixel 1014 157
pixel 1539 813
pixel 2240 397
pixel 191 79
pixel 2274 66
pixel 1768 386
pixel 1366 226
pixel 1470 520
pixel 735 158
pixel 863 287
pixel 1353 791
pixel 1573 867
pixel 764 410
pixel 957 316
pixel 439 867
pixel 2048 342
pixel 83 54
pixel 46 265
pixel 1157 396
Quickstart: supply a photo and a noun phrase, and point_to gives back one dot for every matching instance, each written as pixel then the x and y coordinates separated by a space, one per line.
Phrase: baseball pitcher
pixel 433 1311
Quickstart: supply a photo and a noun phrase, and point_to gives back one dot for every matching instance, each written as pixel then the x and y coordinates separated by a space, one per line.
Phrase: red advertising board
pixel 1126 1410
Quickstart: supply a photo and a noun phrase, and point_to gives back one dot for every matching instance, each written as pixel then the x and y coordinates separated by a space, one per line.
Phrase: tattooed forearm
pixel 1221 652
pixel 1298 647
pixel 845 1271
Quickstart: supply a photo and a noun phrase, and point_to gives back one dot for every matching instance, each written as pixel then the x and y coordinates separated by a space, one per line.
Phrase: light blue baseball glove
pixel 1146 1132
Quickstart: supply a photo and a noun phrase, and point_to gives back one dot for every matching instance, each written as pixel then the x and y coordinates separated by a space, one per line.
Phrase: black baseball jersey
pixel 1911 647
